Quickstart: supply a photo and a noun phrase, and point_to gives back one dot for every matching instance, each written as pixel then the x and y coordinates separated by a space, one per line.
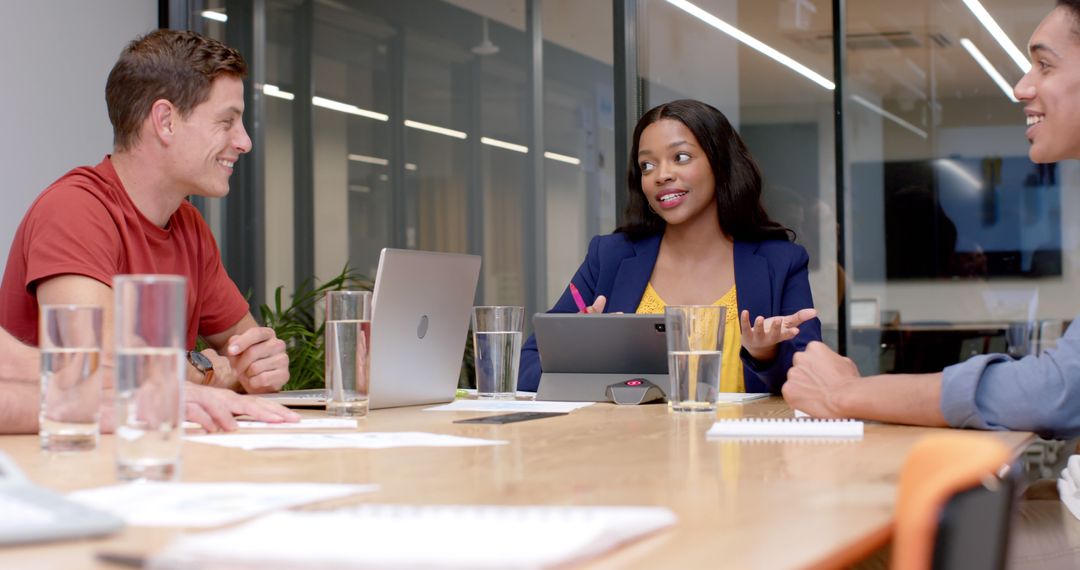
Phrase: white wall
pixel 57 55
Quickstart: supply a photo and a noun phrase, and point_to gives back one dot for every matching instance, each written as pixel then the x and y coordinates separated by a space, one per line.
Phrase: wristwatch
pixel 202 364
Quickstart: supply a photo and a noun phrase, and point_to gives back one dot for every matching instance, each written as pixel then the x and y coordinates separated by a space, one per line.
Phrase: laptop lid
pixel 419 323
pixel 583 354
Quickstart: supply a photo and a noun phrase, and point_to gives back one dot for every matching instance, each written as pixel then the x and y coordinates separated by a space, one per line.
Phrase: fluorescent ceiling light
pixel 215 16
pixel 995 30
pixel 347 108
pixel 503 144
pixel 410 166
pixel 369 159
pixel 988 68
pixel 753 42
pixel 435 129
pixel 562 158
pixel 888 115
pixel 273 91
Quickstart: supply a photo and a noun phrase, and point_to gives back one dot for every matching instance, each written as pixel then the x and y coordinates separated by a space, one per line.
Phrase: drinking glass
pixel 497 350
pixel 348 352
pixel 150 332
pixel 70 341
pixel 695 339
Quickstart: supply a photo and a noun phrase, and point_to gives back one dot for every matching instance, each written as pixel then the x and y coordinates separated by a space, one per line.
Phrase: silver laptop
pixel 582 355
pixel 419 323
pixel 35 514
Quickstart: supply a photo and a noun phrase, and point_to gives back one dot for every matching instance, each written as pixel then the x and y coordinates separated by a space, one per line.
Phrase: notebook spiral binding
pixel 785 428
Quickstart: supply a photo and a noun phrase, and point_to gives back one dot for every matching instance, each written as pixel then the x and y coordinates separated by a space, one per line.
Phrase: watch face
pixel 200 361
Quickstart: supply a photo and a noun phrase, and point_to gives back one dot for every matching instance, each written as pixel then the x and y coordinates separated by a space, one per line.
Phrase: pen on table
pixel 122 559
pixel 577 299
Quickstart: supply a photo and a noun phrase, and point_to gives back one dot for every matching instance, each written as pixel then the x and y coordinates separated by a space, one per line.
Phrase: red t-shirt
pixel 86 224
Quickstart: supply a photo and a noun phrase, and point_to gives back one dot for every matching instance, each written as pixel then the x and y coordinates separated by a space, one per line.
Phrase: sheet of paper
pixel 519 393
pixel 404 536
pixel 206 504
pixel 304 424
pixel 736 397
pixel 508 406
pixel 362 440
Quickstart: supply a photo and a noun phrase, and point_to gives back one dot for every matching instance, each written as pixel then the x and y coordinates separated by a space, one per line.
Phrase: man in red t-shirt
pixel 175 100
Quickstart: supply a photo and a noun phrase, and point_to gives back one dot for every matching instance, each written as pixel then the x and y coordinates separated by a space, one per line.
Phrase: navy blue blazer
pixel 770 279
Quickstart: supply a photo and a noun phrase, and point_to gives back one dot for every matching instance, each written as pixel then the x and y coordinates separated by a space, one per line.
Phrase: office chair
pixel 953 510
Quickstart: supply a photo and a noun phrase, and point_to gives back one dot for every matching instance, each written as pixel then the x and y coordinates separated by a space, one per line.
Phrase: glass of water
pixel 695 339
pixel 348 351
pixel 71 382
pixel 497 350
pixel 150 339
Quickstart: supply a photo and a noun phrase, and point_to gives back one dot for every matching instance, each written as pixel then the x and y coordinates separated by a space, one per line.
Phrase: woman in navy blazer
pixel 689 169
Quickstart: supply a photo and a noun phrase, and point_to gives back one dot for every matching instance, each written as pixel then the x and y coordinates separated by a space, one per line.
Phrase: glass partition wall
pixel 489 127
pixel 959 245
pixel 767 65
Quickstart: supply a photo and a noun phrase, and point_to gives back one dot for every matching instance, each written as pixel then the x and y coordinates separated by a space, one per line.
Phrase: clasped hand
pixel 255 362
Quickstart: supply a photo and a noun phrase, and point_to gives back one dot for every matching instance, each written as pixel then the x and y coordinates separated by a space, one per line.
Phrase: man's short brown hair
pixel 178 66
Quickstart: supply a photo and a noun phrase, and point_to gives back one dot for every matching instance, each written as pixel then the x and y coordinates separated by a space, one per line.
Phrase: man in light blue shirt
pixel 1040 394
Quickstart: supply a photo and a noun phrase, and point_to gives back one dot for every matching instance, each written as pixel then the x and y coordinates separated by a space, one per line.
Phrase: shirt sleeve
pixel 69 231
pixel 1039 394
pixel 222 303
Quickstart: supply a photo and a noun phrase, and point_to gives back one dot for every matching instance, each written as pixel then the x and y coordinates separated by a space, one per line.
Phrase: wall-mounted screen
pixel 960 217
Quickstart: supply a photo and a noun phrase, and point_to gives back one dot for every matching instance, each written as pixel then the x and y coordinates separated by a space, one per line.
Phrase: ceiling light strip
pixel 995 30
pixel 215 16
pixel 562 158
pixel 273 91
pixel 435 129
pixel 347 108
pixel 369 159
pixel 888 115
pixel 753 43
pixel 988 68
pixel 503 144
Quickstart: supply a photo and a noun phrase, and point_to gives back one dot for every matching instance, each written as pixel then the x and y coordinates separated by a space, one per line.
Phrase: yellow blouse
pixel 731 369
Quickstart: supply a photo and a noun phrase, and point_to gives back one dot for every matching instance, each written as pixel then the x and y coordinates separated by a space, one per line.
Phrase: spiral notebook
pixel 409 536
pixel 783 428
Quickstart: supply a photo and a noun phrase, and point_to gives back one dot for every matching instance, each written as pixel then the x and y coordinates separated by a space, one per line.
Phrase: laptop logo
pixel 421 329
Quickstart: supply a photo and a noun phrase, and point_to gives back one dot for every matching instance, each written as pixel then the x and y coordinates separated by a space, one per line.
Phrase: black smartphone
pixel 510 418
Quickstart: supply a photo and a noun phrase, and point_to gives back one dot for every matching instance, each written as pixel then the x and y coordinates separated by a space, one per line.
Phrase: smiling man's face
pixel 1050 92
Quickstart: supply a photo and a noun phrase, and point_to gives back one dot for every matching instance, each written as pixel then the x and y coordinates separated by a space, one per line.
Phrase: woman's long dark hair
pixel 738 178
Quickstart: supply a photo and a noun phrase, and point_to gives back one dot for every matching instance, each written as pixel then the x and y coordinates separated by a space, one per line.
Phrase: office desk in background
pixel 740 504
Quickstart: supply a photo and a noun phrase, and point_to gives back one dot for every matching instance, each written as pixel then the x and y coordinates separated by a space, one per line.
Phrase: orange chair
pixel 953 509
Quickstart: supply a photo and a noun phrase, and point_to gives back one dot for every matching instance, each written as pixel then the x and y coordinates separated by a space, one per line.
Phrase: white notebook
pixel 402 536
pixel 768 428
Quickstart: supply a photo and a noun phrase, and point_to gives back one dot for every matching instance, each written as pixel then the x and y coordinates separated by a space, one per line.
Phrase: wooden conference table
pixel 777 504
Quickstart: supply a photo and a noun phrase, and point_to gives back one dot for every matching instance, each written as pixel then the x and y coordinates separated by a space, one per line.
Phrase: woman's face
pixel 675 173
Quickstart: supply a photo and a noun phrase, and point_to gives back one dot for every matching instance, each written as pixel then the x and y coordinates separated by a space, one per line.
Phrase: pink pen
pixel 577 298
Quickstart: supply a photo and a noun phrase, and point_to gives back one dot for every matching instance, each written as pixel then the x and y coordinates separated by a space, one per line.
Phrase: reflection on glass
pixel 954 233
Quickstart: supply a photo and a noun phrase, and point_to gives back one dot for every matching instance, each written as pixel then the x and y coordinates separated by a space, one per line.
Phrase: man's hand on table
pixel 214 408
